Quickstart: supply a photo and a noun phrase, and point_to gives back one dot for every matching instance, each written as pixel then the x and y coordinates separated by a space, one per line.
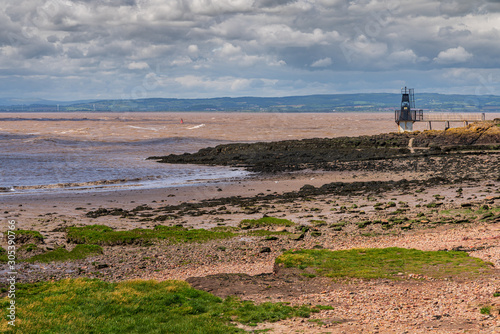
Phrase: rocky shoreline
pixel 328 153
pixel 443 193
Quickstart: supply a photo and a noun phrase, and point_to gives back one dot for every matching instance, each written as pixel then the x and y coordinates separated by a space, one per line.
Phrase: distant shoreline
pixel 371 102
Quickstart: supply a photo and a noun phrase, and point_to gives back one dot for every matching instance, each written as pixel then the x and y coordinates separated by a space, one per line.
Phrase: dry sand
pixel 414 305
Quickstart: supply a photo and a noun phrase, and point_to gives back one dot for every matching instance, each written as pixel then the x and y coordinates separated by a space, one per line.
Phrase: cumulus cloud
pixel 453 56
pixel 138 65
pixel 322 62
pixel 246 47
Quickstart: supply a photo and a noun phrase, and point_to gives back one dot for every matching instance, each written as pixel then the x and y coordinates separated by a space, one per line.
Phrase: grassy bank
pixel 94 306
pixel 382 263
pixel 104 235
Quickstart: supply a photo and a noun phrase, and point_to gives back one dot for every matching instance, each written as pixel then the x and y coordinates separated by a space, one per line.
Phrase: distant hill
pixel 309 103
pixel 27 102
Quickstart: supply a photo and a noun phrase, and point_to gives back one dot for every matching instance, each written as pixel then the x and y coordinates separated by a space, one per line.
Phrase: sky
pixel 122 49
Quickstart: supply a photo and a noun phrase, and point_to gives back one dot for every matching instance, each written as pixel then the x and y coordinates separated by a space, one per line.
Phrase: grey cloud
pixel 458 7
pixel 452 32
pixel 272 3
pixel 260 43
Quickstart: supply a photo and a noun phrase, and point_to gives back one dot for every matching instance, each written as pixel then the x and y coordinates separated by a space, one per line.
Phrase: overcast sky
pixel 98 49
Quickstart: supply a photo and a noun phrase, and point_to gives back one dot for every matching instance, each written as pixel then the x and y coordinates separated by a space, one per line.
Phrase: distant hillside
pixel 310 103
pixel 28 102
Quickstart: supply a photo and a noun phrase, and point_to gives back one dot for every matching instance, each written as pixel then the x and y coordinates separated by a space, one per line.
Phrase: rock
pixel 317 153
pixel 296 236
pixel 265 250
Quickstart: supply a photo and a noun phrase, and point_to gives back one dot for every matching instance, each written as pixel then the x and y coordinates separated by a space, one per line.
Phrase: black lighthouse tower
pixel 407 115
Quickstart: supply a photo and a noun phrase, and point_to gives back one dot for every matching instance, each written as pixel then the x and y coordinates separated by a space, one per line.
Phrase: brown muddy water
pixel 42 152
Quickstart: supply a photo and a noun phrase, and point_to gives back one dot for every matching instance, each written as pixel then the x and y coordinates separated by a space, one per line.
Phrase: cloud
pixel 141 65
pixel 453 56
pixel 322 62
pixel 242 47
pixel 405 57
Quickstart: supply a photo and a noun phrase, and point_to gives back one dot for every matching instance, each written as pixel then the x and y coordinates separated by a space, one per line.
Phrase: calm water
pixel 42 152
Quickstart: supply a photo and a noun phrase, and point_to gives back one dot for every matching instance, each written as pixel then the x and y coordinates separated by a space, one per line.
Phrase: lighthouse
pixel 407 115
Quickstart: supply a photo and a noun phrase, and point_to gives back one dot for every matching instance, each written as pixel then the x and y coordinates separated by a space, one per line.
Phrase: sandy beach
pixel 417 304
pixel 358 210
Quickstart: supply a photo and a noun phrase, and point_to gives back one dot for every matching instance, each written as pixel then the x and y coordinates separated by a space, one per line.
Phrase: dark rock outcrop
pixel 326 153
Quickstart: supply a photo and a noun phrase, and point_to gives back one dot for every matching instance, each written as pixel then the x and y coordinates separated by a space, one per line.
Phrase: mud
pixel 287 282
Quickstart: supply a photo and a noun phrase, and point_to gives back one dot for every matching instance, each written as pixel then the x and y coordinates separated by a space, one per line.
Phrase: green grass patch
pixel 94 306
pixel 318 223
pixel 265 221
pixel 104 235
pixel 483 211
pixel 265 233
pixel 29 247
pixel 225 229
pixel 3 255
pixel 364 224
pixel 338 226
pixel 485 310
pixel 61 254
pixel 23 236
pixel 383 262
pixel 308 275
pixel 434 204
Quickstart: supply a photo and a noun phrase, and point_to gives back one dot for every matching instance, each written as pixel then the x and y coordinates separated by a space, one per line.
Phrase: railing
pixel 408 116
pixel 418 116
pixel 453 117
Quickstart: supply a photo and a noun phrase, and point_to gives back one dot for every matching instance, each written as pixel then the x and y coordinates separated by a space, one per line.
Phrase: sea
pixel 90 152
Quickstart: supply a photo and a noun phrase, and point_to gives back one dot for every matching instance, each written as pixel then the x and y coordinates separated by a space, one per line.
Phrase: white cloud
pixel 223 84
pixel 193 50
pixel 403 57
pixel 239 45
pixel 322 62
pixel 453 56
pixel 138 65
pixel 284 35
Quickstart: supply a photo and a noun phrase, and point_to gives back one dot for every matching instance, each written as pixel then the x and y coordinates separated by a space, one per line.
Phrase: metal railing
pixel 409 116
pixel 453 117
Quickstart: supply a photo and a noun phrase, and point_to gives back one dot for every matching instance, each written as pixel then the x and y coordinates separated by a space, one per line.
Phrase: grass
pixel 383 263
pixel 61 254
pixel 28 235
pixel 3 255
pixel 58 254
pixel 265 221
pixel 93 306
pixel 265 233
pixel 337 226
pixel 318 223
pixel 104 235
pixel 485 310
pixel 29 247
pixel 485 212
